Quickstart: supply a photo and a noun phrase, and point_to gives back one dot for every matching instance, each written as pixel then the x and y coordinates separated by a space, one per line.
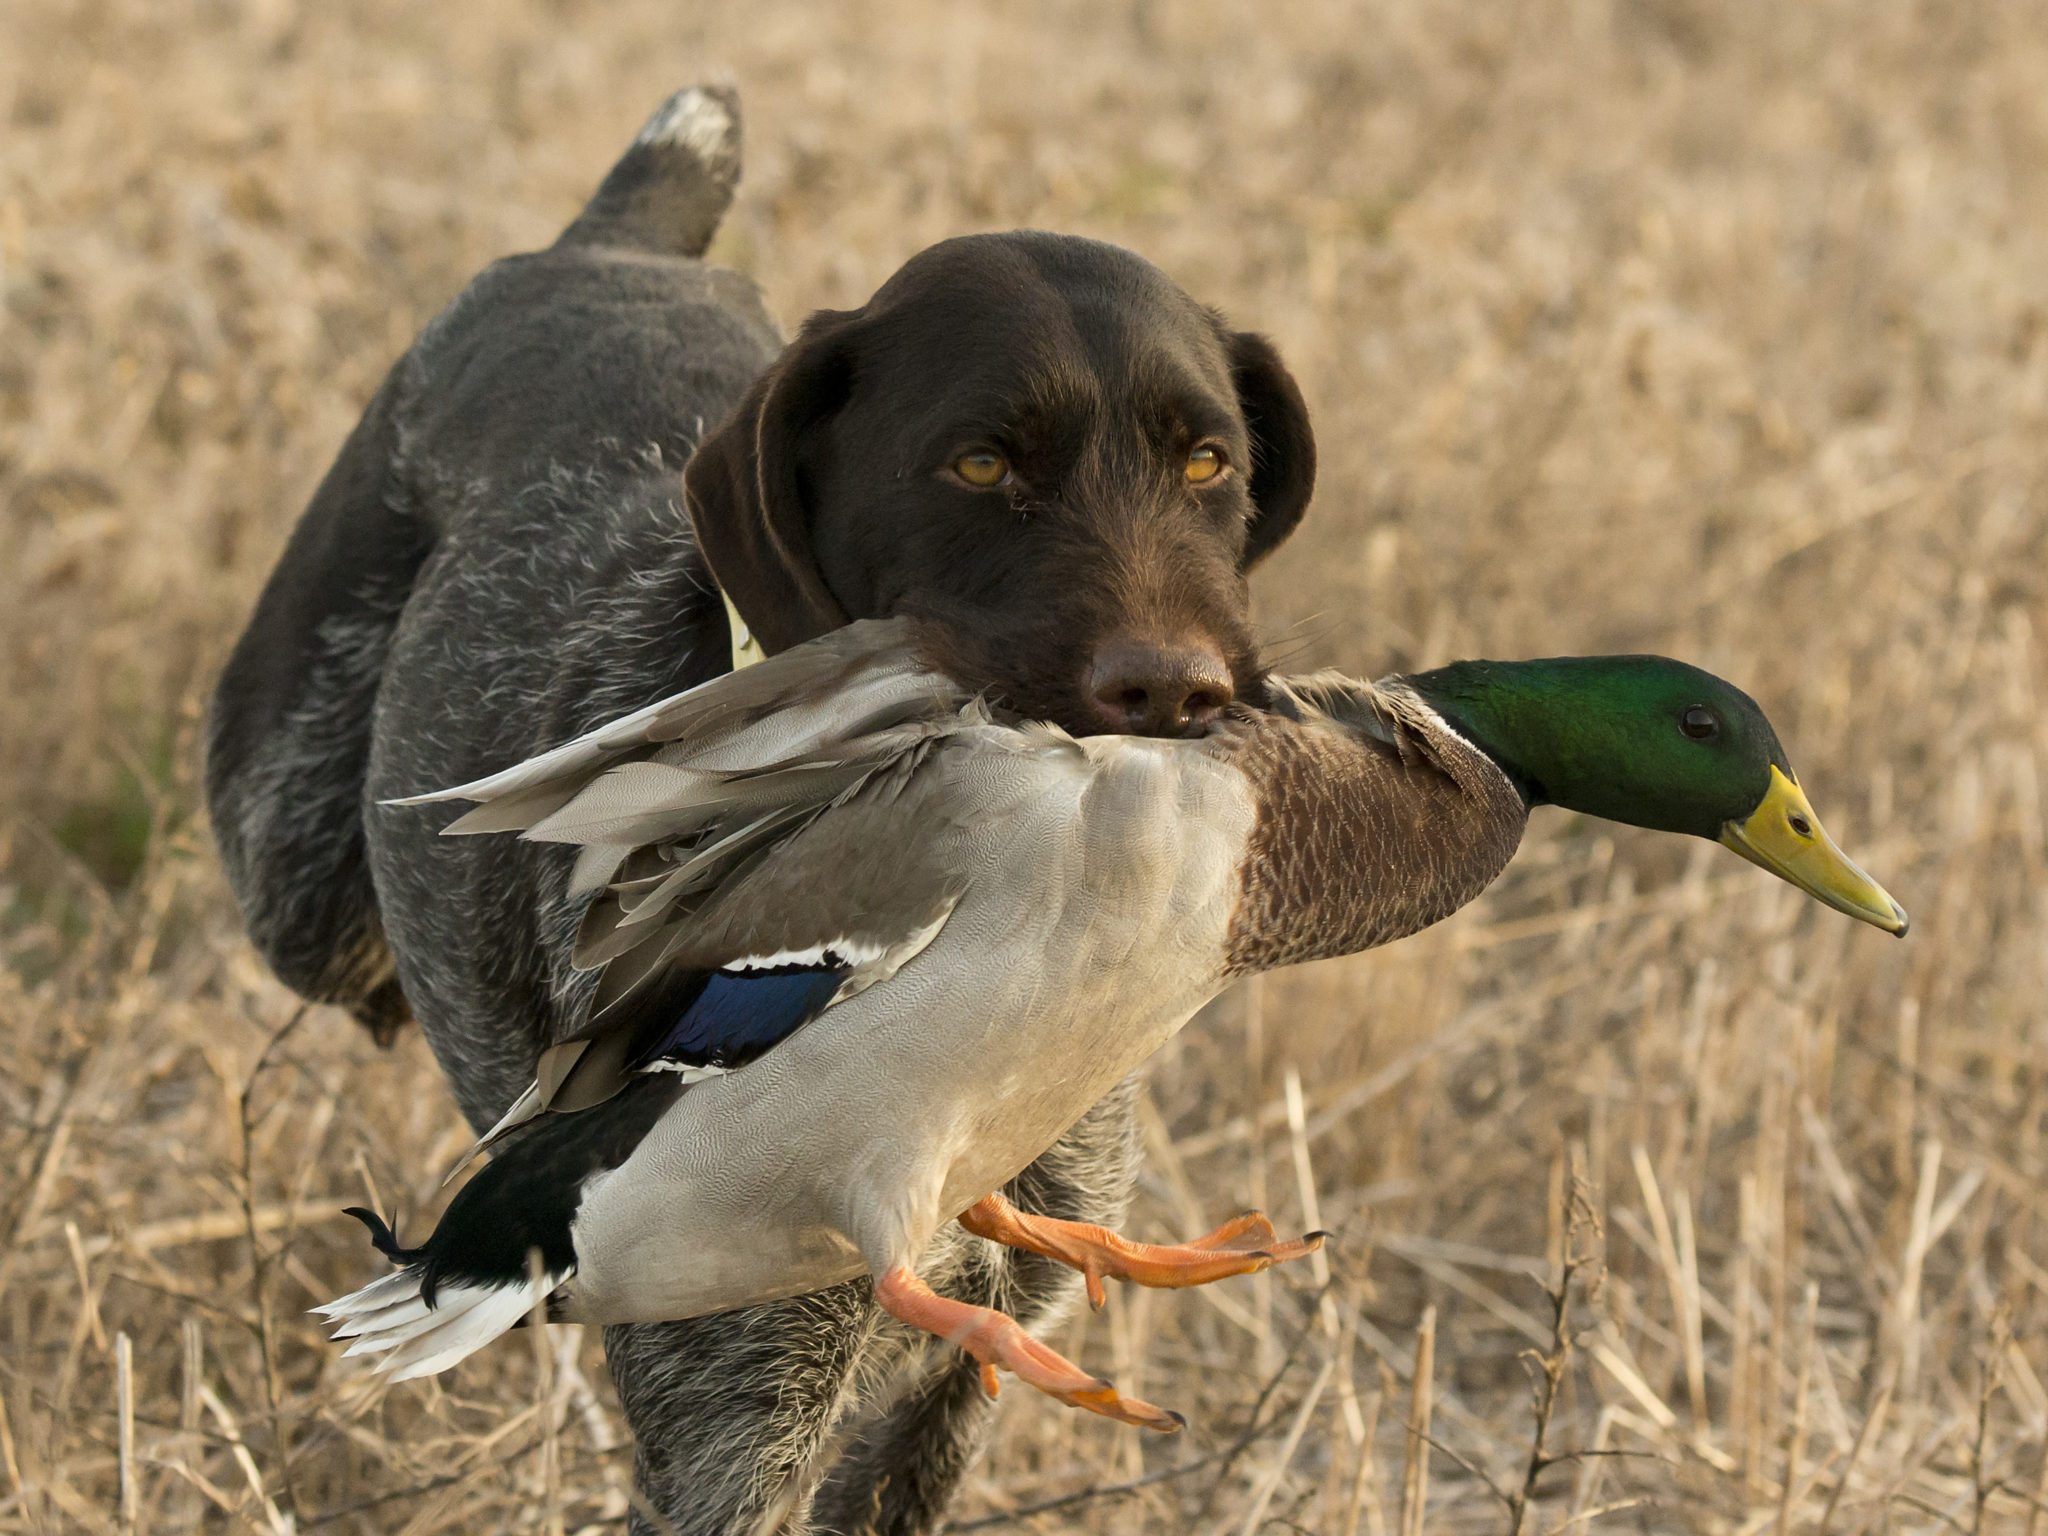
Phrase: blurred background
pixel 1712 327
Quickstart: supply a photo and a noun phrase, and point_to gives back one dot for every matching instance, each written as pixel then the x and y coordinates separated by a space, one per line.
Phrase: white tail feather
pixel 382 1321
pixel 373 1297
pixel 390 1320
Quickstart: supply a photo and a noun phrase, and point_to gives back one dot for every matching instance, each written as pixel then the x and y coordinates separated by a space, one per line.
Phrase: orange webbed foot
pixel 1243 1245
pixel 997 1339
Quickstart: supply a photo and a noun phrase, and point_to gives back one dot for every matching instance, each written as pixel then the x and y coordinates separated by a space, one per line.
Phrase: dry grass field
pixel 1715 327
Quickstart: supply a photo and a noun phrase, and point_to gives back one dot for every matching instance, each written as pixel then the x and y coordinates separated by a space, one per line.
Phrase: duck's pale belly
pixel 845 1148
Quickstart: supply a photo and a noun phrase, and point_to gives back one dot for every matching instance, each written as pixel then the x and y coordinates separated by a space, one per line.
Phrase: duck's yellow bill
pixel 1784 836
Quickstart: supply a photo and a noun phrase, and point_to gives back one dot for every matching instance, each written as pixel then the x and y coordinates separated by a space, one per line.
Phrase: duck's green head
pixel 1654 743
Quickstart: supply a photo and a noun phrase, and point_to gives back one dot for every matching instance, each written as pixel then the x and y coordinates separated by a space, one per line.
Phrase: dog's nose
pixel 1145 689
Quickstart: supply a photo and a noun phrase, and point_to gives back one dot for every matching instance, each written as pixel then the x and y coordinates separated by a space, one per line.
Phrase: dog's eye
pixel 982 468
pixel 1204 465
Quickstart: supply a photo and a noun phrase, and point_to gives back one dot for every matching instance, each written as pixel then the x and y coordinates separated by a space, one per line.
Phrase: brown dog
pixel 1043 444
pixel 1038 442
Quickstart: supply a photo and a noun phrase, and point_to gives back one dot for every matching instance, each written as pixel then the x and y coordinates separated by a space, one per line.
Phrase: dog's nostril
pixel 1158 690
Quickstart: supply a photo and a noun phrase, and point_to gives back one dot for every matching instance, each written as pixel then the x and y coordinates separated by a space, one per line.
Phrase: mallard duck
pixel 866 948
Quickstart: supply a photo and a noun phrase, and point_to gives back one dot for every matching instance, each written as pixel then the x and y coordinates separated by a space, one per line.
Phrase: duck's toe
pixel 1038 1364
pixel 1243 1245
pixel 998 1340
pixel 1251 1230
pixel 1111 1404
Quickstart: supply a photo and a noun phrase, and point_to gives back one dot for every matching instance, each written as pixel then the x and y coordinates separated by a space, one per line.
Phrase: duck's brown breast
pixel 1360 842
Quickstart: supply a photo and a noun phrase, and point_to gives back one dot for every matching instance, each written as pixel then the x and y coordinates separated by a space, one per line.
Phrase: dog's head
pixel 1043 447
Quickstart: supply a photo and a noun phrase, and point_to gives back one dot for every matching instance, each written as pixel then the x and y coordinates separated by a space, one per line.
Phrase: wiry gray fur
pixel 498 561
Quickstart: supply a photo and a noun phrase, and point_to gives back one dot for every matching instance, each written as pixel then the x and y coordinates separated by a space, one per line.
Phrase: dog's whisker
pixel 1274 656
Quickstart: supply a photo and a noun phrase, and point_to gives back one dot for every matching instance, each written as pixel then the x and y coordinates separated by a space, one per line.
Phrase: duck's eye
pixel 1204 464
pixel 1700 723
pixel 982 468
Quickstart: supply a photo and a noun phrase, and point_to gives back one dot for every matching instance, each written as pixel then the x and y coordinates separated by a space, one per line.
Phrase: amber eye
pixel 982 468
pixel 1204 465
pixel 1700 723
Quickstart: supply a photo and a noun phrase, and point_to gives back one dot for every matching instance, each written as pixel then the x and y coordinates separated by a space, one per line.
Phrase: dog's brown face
pixel 1041 446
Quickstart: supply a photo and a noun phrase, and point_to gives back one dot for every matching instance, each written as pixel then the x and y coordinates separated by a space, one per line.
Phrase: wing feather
pixel 722 912
pixel 850 683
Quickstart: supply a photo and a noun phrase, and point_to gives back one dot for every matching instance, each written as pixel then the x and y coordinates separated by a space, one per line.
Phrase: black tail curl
pixel 527 1196
pixel 384 1238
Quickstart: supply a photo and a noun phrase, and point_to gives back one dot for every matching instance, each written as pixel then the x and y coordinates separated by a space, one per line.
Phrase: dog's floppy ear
pixel 1283 447
pixel 745 487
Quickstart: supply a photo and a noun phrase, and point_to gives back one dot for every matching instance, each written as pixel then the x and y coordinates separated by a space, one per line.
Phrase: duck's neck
pixel 1548 725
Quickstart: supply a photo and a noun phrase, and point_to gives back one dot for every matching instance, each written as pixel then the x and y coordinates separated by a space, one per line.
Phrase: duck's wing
pixel 699 975
pixel 841 687
pixel 714 935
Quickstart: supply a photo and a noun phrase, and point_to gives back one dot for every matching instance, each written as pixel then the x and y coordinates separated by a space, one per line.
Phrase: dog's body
pixel 500 559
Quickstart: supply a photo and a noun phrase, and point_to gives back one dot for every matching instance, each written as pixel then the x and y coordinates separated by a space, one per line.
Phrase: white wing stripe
pixel 834 952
